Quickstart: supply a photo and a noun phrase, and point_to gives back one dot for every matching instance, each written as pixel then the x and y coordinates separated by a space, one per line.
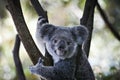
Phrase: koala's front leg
pixel 34 68
pixel 44 71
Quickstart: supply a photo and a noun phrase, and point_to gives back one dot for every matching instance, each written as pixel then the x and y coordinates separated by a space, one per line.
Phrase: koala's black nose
pixel 61 45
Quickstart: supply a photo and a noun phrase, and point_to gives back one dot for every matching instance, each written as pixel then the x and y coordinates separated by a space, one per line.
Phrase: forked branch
pixel 14 8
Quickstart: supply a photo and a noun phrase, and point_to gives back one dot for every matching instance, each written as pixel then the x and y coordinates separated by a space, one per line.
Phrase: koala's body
pixel 62 44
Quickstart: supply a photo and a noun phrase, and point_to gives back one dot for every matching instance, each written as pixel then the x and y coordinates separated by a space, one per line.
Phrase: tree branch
pixel 17 61
pixel 15 9
pixel 87 20
pixel 109 25
pixel 41 12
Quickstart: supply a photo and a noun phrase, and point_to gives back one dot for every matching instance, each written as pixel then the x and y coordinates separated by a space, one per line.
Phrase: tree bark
pixel 87 20
pixel 105 18
pixel 15 9
pixel 18 65
pixel 41 12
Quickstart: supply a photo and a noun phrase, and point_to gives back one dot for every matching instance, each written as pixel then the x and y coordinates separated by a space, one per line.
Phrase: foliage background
pixel 105 48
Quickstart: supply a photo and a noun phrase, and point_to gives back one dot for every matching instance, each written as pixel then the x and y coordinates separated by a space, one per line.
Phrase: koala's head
pixel 62 42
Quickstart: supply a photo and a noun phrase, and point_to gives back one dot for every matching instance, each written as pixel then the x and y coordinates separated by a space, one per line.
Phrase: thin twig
pixel 109 25
pixel 17 61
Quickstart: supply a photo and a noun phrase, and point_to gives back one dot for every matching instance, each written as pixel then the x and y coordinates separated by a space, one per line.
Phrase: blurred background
pixel 105 48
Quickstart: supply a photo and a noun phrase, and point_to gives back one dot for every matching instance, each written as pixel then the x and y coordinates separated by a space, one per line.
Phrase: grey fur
pixel 62 44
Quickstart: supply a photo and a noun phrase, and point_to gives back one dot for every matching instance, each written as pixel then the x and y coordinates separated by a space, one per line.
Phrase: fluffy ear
pixel 80 34
pixel 47 31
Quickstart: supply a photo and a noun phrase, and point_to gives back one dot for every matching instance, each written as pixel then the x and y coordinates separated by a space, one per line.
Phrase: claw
pixel 40 61
pixel 32 69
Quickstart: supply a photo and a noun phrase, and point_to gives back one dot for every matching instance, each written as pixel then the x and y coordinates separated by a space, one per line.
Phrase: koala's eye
pixel 55 41
pixel 69 43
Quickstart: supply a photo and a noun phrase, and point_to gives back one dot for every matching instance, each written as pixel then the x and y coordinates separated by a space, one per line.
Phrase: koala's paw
pixel 33 69
pixel 40 61
pixel 36 67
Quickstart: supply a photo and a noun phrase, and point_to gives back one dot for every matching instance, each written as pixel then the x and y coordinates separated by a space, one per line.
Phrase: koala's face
pixel 62 44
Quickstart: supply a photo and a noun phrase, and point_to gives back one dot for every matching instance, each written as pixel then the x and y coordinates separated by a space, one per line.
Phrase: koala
pixel 62 44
